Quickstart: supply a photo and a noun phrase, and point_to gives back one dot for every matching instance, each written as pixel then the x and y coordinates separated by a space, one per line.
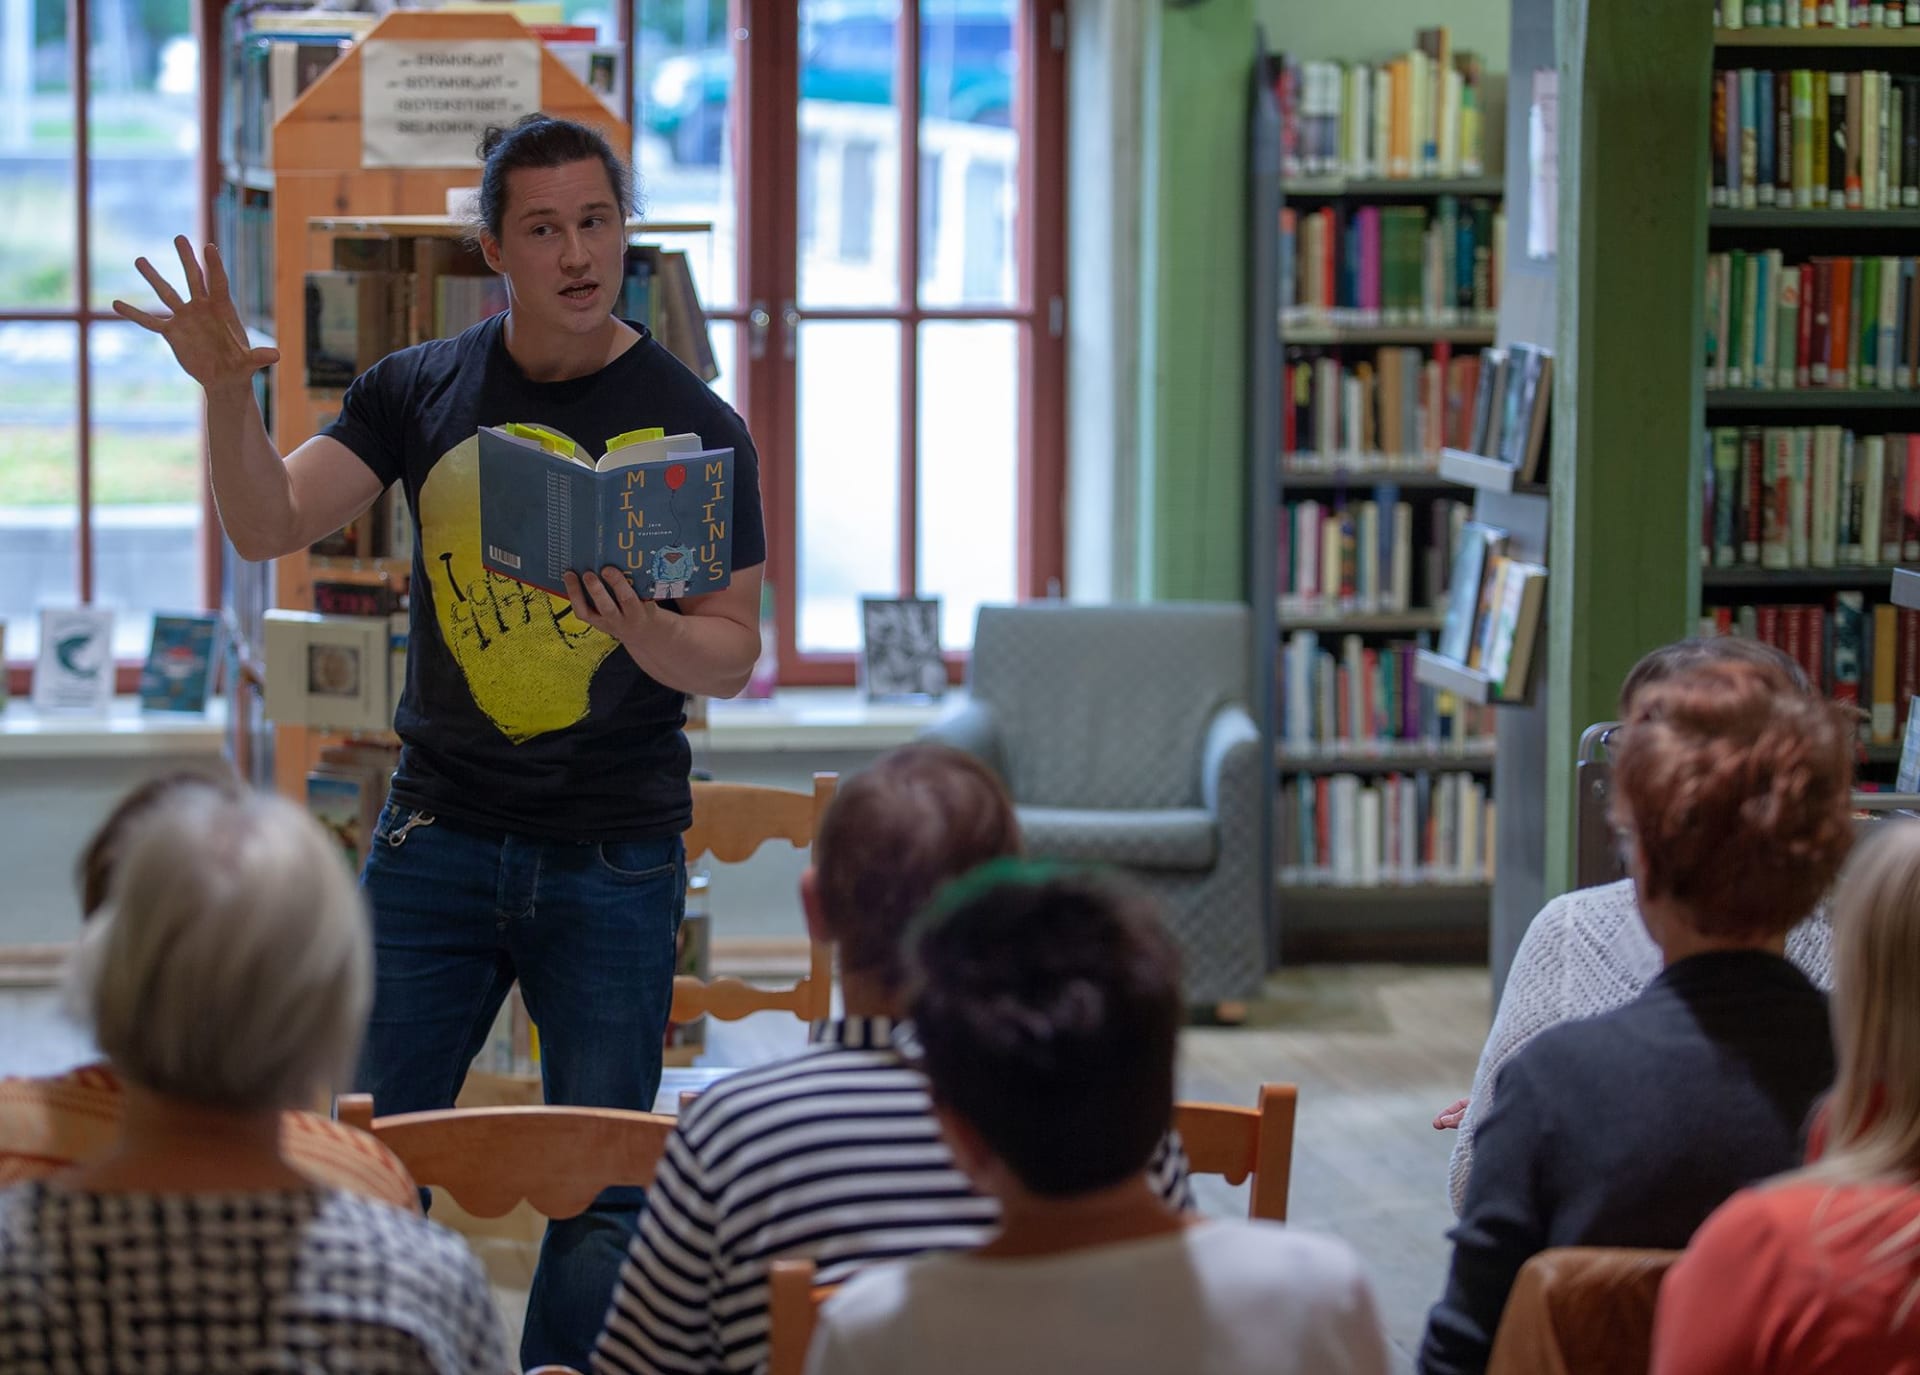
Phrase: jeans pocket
pixel 639 861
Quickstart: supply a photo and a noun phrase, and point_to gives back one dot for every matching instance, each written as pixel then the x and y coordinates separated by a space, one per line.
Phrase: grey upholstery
pixel 1123 734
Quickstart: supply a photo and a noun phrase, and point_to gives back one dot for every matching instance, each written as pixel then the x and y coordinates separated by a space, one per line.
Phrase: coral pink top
pixel 1797 1279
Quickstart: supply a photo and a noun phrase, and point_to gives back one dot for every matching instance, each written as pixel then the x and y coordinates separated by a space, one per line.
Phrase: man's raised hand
pixel 204 331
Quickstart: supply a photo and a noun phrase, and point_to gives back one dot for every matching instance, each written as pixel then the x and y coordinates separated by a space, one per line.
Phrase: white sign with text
pixel 426 104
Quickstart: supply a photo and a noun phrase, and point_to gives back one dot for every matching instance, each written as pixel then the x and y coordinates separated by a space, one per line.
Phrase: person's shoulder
pixel 416 1252
pixel 1281 1252
pixel 688 403
pixel 879 1294
pixel 765 1095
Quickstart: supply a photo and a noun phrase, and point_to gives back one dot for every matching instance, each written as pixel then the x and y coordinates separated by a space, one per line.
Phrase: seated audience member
pixel 1627 1129
pixel 1587 951
pixel 228 980
pixel 1818 1273
pixel 50 1124
pixel 834 1154
pixel 1046 1006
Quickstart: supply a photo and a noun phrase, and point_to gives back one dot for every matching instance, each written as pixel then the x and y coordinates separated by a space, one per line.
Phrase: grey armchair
pixel 1123 735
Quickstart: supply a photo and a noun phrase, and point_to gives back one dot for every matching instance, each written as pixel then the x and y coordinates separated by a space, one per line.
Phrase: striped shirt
pixel 833 1155
pixel 50 1125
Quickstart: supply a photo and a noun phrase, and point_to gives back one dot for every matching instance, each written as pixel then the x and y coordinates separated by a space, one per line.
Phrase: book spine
pixel 1717 186
pixel 1840 322
pixel 1892 495
pixel 1803 351
pixel 1749 139
pixel 1752 495
pixel 1886 636
pixel 1820 341
pixel 1800 85
pixel 1910 506
pixel 1887 323
pixel 1800 441
pixel 1776 498
pixel 1763 137
pixel 1836 139
pixel 1872 463
pixel 1855 199
pixel 1819 138
pixel 1824 481
pixel 1783 138
pixel 1726 497
pixel 1910 145
pixel 1848 539
pixel 1909 670
pixel 1716 367
pixel 1786 351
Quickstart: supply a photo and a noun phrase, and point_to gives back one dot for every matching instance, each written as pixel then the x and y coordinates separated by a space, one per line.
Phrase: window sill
pixel 797 719
pixel 125 731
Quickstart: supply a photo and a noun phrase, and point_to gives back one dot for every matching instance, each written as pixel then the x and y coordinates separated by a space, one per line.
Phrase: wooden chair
pixel 1245 1143
pixel 730 822
pixel 490 1159
pixel 793 1307
pixel 1581 1310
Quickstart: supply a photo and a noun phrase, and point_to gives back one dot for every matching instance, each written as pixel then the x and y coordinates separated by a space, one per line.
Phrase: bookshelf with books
pixel 1383 244
pixel 1808 457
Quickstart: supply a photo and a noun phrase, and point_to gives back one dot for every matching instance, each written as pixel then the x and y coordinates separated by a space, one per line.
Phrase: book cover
pixel 1486 630
pixel 1478 542
pixel 1515 417
pixel 1488 385
pixel 1880 718
pixel 75 669
pixel 1849 645
pixel 341 800
pixel 1776 544
pixel 658 507
pixel 179 663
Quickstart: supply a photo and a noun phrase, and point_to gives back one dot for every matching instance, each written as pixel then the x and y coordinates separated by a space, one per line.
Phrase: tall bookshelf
pixel 1333 905
pixel 1762 430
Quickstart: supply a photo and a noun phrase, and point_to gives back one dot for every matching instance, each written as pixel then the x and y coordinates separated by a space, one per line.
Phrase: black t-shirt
pixel 517 717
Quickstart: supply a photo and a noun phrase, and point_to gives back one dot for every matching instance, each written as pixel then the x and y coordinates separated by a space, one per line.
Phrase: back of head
pixel 1736 792
pixel 1046 1005
pixel 1874 1127
pixel 94 871
pixel 1683 656
pixel 232 966
pixel 895 833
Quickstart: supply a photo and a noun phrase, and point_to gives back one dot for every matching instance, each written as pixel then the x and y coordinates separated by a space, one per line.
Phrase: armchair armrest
pixel 969 728
pixel 1230 760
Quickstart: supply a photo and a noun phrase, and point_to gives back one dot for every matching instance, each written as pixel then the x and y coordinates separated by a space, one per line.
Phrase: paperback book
pixel 179 665
pixel 657 506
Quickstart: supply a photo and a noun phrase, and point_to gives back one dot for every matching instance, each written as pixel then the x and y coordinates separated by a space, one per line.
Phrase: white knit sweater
pixel 1587 952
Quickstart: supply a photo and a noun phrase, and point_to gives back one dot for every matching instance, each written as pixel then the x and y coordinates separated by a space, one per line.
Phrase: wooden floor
pixel 1376 1050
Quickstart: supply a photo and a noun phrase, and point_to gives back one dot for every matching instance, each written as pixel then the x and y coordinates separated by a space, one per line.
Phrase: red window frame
pixel 767 149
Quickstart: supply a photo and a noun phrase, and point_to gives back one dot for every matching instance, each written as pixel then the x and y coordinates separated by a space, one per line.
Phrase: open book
pixel 658 506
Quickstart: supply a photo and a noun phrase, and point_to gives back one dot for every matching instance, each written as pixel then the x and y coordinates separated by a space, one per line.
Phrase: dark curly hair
pixel 1737 794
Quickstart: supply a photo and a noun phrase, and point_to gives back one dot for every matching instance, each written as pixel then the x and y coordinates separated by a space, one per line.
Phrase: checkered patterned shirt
pixel 833 1155
pixel 213 1284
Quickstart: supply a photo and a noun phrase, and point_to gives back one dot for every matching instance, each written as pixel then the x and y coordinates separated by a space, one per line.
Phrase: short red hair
pixel 1738 795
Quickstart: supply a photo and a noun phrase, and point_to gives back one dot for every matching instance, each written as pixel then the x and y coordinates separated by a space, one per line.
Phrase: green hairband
pixel 977 882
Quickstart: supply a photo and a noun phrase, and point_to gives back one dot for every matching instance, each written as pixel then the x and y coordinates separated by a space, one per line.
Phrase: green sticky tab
pixel 621 441
pixel 549 440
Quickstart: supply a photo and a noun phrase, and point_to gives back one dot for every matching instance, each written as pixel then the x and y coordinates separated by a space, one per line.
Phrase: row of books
pixel 1508 419
pixel 345 792
pixel 1364 699
pixel 1815 14
pixel 1359 557
pixel 1809 497
pixel 243 227
pixel 1868 656
pixel 383 531
pixel 1826 322
pixel 1393 264
pixel 1815 139
pixel 1422 113
pixel 1398 400
pixel 1342 830
pixel 1495 607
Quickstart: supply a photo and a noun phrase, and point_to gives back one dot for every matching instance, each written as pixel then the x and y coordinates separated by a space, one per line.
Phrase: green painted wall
pixel 1193 302
pixel 1632 243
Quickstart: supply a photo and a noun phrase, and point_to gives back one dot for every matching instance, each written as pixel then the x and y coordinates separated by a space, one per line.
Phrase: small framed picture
pixel 75 672
pixel 900 656
pixel 329 672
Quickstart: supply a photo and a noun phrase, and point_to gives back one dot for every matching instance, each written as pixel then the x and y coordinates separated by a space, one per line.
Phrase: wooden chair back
pixel 1254 1144
pixel 793 1307
pixel 730 822
pixel 490 1159
pixel 1581 1310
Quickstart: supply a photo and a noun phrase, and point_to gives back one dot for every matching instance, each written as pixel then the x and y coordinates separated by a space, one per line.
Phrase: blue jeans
pixel 588 930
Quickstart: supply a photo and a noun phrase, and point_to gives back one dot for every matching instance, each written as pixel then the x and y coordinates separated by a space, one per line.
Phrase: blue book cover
pixel 659 507
pixel 179 663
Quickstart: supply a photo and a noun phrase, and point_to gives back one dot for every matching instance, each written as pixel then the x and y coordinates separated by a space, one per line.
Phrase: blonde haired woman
pixel 228 982
pixel 1819 1271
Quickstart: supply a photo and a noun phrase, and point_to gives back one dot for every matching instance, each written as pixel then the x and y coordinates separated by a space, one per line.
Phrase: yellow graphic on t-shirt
pixel 527 659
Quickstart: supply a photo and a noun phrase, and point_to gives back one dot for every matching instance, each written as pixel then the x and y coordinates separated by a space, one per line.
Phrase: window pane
pixel 848 541
pixel 143 130
pixel 683 127
pixel 849 154
pixel 726 340
pixel 39 479
pixel 146 483
pixel 969 470
pixel 36 156
pixel 969 154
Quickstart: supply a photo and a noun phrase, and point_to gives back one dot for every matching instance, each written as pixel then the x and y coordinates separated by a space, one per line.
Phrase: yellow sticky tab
pixel 547 439
pixel 621 441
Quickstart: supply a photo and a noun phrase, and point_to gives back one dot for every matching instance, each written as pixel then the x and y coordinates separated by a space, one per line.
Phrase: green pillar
pixel 1193 302
pixel 1623 553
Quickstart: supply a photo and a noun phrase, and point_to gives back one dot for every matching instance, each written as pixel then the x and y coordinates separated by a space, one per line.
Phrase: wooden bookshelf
pixel 1387 188
pixel 1773 218
pixel 1816 38
pixel 1857 575
pixel 317 176
pixel 1363 335
pixel 1812 399
pixel 1359 759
